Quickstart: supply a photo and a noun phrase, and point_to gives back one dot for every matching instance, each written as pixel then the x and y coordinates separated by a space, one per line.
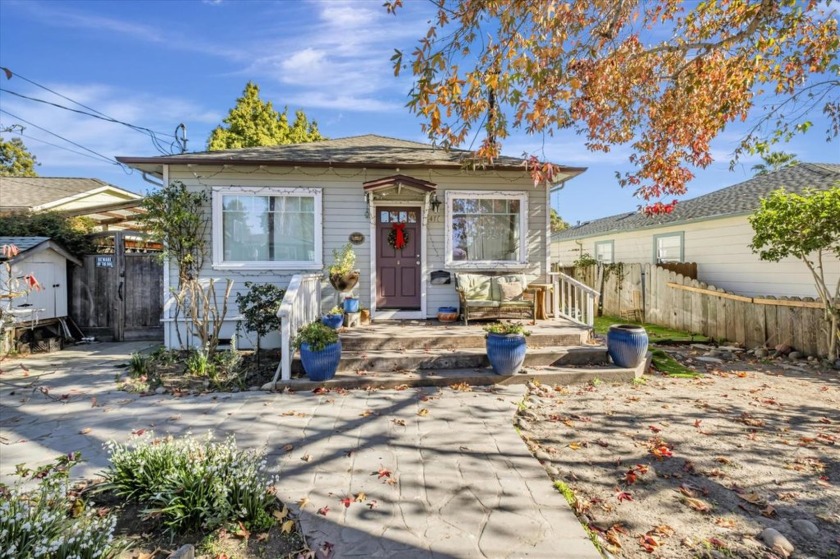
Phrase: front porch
pixel 410 353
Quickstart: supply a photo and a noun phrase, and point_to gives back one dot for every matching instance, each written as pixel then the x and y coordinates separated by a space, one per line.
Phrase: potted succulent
pixel 506 347
pixel 320 350
pixel 333 318
pixel 342 273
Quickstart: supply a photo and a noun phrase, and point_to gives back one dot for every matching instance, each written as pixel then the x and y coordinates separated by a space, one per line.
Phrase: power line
pixel 105 157
pixel 83 154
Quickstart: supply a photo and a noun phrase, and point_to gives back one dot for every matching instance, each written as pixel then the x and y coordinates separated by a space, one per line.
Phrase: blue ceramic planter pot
pixel 506 352
pixel 627 345
pixel 320 365
pixel 351 305
pixel 332 320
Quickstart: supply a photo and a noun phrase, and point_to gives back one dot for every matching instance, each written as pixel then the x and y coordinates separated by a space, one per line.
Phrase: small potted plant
pixel 333 318
pixel 506 347
pixel 351 304
pixel 342 273
pixel 320 350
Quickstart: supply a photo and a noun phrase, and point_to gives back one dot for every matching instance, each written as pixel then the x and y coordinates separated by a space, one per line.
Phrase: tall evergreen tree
pixel 774 161
pixel 254 122
pixel 16 160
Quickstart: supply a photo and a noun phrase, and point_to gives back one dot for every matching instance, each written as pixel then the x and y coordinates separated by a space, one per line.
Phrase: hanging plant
pixel 398 237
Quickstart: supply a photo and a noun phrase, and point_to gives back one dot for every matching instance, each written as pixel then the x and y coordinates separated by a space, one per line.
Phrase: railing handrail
pixel 286 315
pixel 576 283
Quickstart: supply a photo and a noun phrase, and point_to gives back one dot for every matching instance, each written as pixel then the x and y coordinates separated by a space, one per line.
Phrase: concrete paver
pixel 460 481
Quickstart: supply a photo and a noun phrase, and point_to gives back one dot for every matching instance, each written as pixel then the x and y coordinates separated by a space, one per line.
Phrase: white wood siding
pixel 344 213
pixel 721 250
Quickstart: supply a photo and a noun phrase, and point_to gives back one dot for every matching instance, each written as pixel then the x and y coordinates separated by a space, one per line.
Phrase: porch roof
pixel 397 181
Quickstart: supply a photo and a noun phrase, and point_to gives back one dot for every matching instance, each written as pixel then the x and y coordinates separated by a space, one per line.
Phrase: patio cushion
pixel 476 286
pixel 511 291
pixel 523 279
pixel 482 303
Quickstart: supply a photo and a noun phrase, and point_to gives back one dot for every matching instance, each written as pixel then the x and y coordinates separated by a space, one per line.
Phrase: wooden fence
pixel 649 293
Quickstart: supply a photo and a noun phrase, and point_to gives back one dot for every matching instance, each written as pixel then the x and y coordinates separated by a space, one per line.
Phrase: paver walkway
pixel 462 482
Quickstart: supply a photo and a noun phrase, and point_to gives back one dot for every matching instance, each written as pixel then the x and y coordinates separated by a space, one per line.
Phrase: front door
pixel 398 267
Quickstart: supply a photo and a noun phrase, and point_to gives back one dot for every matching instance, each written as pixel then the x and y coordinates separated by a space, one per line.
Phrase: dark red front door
pixel 397 270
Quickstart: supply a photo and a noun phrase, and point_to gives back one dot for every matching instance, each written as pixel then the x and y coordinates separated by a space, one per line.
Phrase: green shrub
pixel 138 365
pixel 48 521
pixel 507 328
pixel 192 483
pixel 316 336
pixel 200 364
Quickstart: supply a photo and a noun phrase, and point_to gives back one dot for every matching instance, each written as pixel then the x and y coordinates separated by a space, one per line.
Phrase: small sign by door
pixel 104 261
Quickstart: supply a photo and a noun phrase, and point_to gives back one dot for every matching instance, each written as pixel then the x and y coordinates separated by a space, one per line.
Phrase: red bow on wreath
pixel 398 237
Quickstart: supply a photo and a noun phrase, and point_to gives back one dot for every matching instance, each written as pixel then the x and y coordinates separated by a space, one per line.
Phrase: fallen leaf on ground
pixel 648 543
pixel 661 452
pixel 346 501
pixel 622 495
pixel 400 422
pixel 383 472
pixel 85 431
pixel 306 457
pixel 287 526
pixel 281 514
pixel 423 412
pixel 697 504
pixel 303 502
pixel 360 497
pixel 288 447
pixel 324 510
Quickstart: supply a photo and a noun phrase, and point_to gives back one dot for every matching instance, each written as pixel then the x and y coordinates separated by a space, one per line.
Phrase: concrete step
pixel 450 340
pixel 479 376
pixel 418 359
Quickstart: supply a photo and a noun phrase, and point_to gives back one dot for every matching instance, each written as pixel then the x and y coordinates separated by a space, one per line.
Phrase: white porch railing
pixel 301 305
pixel 573 300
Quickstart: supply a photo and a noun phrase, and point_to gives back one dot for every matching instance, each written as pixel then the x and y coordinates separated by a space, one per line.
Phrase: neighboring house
pixel 281 210
pixel 46 262
pixel 108 205
pixel 711 230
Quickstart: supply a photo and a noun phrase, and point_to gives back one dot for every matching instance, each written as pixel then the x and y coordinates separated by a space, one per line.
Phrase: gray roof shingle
pixel 369 150
pixel 29 192
pixel 739 199
pixel 22 243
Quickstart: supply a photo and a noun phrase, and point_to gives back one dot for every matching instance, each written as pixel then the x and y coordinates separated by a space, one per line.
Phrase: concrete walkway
pixel 461 482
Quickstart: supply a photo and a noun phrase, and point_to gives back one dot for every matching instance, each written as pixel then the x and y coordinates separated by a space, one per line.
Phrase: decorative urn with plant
pixel 342 273
pixel 320 350
pixel 506 346
pixel 333 318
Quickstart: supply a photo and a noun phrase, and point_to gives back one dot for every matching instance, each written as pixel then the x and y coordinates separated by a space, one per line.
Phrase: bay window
pixel 269 228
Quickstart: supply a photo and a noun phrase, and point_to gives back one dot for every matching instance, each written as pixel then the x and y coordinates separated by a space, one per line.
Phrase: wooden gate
pixel 118 293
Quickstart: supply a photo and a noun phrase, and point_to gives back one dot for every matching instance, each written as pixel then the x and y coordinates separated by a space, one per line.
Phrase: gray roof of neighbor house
pixel 739 199
pixel 371 151
pixel 23 193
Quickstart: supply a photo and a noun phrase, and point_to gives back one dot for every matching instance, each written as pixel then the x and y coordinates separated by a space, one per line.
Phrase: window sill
pixel 282 266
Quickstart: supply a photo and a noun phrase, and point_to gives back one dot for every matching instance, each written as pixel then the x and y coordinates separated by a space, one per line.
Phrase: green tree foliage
pixel 806 227
pixel 774 161
pixel 176 217
pixel 557 222
pixel 16 160
pixel 69 232
pixel 254 122
pixel 259 307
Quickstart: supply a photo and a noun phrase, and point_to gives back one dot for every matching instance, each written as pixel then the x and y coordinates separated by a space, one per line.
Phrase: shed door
pixel 398 269
pixel 45 299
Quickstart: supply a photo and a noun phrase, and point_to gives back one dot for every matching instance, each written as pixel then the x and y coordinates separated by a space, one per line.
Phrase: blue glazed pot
pixel 627 344
pixel 320 365
pixel 332 320
pixel 351 305
pixel 506 352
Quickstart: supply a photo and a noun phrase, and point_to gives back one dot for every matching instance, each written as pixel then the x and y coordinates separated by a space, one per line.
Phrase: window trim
pixel 679 234
pixel 218 228
pixel 522 197
pixel 611 244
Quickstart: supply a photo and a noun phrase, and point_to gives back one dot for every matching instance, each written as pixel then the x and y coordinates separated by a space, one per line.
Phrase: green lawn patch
pixel 656 334
pixel 667 365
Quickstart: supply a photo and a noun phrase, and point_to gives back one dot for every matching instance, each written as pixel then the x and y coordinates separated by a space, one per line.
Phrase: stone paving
pixel 460 483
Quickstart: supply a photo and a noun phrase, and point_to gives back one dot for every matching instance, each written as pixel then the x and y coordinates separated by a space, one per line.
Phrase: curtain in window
pixel 269 228
pixel 485 230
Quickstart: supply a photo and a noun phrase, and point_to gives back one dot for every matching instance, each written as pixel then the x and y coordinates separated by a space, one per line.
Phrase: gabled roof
pixel 30 246
pixel 739 199
pixel 41 193
pixel 367 151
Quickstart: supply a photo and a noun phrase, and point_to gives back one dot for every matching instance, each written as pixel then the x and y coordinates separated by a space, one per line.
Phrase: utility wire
pixel 65 148
pixel 152 134
pixel 105 157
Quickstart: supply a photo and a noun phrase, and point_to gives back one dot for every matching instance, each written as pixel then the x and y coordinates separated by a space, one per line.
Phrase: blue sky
pixel 156 64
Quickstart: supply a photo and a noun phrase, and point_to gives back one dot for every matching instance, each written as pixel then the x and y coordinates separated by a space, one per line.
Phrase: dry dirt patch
pixel 672 467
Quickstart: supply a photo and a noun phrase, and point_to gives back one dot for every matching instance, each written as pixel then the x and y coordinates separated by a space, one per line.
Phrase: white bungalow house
pixel 711 230
pixel 279 212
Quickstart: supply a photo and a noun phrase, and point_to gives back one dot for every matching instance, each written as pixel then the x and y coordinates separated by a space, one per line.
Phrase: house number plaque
pixel 356 238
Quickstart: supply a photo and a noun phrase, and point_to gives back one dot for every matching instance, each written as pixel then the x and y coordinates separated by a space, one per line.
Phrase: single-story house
pixel 711 230
pixel 108 205
pixel 282 210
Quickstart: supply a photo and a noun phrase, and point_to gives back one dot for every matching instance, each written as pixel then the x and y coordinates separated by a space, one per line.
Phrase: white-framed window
pixel 604 252
pixel 267 228
pixel 486 229
pixel 668 247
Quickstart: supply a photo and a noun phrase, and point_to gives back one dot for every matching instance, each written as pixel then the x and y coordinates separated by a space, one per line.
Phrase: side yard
pixel 740 461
